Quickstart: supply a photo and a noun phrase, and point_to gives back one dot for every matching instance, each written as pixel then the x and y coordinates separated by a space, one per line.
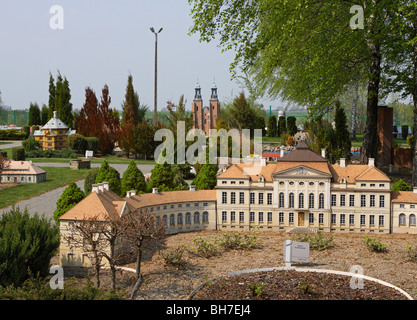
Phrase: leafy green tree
pixel 282 125
pixel 27 243
pixel 90 179
pixel 34 115
pixel 133 179
pixel 400 185
pixel 44 114
pixel 342 136
pixel 291 126
pixel 51 101
pixel 18 154
pixel 110 175
pixel 77 142
pixel 206 178
pixel 69 198
pixel 30 144
pixel 162 178
pixel 63 105
pixel 272 127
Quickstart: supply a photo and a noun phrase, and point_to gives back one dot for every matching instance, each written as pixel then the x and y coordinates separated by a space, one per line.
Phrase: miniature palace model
pixel 300 191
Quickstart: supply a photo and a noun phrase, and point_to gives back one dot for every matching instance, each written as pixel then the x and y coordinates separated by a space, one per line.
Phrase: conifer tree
pixel 69 198
pixel 206 178
pixel 110 175
pixel 51 102
pixel 129 119
pixel 34 115
pixel 63 105
pixel 133 179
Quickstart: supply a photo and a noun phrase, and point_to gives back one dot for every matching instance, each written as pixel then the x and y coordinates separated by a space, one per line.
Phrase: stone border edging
pixel 350 274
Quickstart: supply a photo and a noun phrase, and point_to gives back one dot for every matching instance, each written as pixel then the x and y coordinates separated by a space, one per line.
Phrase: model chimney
pixel 281 151
pixel 371 162
pixel 323 152
pixel 155 190
pixel 192 188
pixel 342 162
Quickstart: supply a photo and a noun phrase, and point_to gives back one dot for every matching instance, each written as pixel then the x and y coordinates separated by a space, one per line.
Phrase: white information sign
pixel 88 153
pixel 296 252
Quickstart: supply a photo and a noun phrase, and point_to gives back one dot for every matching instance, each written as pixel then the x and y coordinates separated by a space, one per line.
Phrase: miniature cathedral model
pixel 205 118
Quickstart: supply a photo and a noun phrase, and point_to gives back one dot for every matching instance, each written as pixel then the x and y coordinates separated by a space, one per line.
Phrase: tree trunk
pixel 354 108
pixel 370 137
pixel 415 105
pixel 138 262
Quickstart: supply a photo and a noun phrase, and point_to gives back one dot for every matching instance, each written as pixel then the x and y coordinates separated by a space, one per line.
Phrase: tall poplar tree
pixel 51 101
pixel 129 119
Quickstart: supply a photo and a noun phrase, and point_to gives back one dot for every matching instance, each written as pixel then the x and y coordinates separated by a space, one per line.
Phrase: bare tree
pixel 4 164
pixel 143 231
pixel 88 234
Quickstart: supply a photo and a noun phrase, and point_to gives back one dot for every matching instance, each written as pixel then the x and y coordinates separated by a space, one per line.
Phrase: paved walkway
pixel 46 203
pixel 11 144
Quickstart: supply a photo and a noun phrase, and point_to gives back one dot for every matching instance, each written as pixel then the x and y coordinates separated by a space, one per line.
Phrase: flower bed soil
pixel 293 285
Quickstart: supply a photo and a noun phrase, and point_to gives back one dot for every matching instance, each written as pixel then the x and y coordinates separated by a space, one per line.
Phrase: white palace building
pixel 300 191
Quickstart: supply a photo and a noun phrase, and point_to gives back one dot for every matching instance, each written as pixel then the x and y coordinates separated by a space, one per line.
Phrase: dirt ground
pixel 166 282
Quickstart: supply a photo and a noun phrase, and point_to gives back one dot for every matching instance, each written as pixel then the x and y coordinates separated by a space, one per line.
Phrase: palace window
pixel 311 200
pixel 291 200
pixel 179 218
pixel 241 216
pixel 381 220
pixel 311 218
pixel 301 200
pixel 381 201
pixel 252 216
pixel 260 198
pixel 233 197
pixel 412 220
pixel 241 197
pixel 205 216
pixel 281 217
pixel 372 200
pixel 351 219
pixel 291 217
pixel 172 220
pixel 333 200
pixel 224 197
pixel 321 201
pixel 342 200
pixel 269 214
pixel 342 218
pixel 233 216
pixel 401 219
pixel 281 200
pixel 362 220
pixel 261 217
pixel 321 218
pixel 224 216
pixel 188 217
pixel 252 198
pixel 196 217
pixel 371 220
pixel 333 218
pixel 269 198
pixel 352 200
pixel 363 200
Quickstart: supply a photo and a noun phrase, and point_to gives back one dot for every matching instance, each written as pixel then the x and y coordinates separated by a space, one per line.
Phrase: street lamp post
pixel 156 73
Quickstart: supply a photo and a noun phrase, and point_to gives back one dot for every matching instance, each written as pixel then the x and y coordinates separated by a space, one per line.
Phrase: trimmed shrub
pixel 12 134
pixel 77 142
pixel 92 144
pixel 90 179
pixel 69 198
pixel 374 245
pixel 18 154
pixel 30 144
pixel 110 175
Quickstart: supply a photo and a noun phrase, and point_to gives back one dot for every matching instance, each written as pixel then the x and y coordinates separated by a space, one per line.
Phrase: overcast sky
pixel 102 42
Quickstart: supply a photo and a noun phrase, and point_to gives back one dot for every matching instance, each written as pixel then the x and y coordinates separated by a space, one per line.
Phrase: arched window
pixel 179 218
pixel 291 200
pixel 321 201
pixel 188 217
pixel 172 220
pixel 196 217
pixel 412 219
pixel 281 200
pixel 311 200
pixel 401 219
pixel 165 219
pixel 301 200
pixel 205 216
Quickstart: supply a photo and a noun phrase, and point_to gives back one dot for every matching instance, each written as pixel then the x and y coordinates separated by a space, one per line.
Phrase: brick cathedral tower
pixel 205 118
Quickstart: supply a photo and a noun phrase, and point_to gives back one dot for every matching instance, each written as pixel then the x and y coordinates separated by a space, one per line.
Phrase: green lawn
pixel 109 159
pixel 55 178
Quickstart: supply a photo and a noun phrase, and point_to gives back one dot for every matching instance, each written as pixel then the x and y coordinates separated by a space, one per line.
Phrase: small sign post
pixel 88 153
pixel 296 251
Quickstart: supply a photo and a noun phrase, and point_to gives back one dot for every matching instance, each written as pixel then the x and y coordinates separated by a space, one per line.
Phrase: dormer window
pixel 343 180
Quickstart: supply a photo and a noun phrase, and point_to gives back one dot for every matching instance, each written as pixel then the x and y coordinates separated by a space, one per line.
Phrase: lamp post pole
pixel 156 74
